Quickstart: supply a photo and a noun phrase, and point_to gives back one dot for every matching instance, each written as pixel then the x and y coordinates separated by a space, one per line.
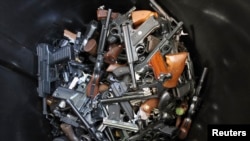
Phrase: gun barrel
pixel 120 125
pixel 93 85
pixel 130 56
pixel 127 98
pixel 160 10
pixel 204 73
pixel 104 32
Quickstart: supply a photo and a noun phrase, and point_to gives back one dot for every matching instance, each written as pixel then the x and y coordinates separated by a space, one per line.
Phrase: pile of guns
pixel 131 80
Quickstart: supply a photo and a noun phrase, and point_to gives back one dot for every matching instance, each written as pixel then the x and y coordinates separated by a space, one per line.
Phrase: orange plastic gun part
pixel 140 16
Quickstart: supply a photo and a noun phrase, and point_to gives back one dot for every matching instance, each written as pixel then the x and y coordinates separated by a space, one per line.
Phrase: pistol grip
pixel 175 66
pixel 149 105
pixel 140 16
pixel 111 56
pixel 158 65
pixel 92 88
pixel 70 35
pixel 113 67
pixel 185 127
pixel 91 47
pixel 102 14
pixel 67 129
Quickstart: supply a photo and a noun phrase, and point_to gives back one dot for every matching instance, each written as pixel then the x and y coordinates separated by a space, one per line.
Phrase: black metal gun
pixel 115 30
pixel 186 123
pixel 92 87
pixel 140 68
pixel 119 89
pixel 47 72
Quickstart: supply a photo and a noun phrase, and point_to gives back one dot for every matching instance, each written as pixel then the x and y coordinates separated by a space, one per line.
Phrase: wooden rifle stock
pixel 93 86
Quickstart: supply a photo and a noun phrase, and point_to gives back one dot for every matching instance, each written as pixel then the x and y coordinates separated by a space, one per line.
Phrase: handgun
pixel 130 53
pixel 115 26
pixel 140 68
pixel 118 89
pixel 47 72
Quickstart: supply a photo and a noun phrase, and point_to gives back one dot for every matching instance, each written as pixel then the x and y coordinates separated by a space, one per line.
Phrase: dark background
pixel 220 40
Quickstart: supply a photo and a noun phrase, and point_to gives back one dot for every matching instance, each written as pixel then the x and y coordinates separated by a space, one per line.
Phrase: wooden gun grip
pixel 158 65
pixel 92 88
pixel 149 105
pixel 184 128
pixel 175 66
pixel 68 131
pixel 140 16
pixel 102 14
pixel 152 42
pixel 103 88
pixel 70 35
pixel 112 67
pixel 91 47
pixel 111 56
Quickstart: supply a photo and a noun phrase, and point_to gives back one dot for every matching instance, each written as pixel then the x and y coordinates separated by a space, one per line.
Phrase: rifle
pixel 93 85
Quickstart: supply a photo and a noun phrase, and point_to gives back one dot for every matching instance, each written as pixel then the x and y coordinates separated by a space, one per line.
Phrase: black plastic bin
pixel 220 40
